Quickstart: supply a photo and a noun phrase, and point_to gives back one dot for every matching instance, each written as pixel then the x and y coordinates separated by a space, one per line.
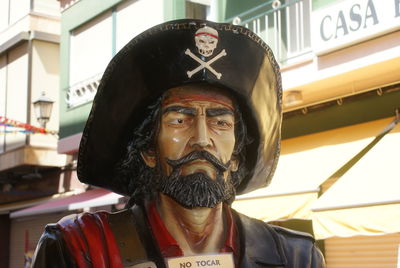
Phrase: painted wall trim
pixel 70 144
pixel 43 36
pixel 27 155
pixel 14 41
pixel 26 36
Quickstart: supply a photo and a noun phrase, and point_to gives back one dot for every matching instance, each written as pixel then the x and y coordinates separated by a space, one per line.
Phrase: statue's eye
pixel 177 121
pixel 180 121
pixel 220 123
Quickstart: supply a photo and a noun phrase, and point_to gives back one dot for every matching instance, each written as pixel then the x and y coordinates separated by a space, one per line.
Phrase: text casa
pixel 350 20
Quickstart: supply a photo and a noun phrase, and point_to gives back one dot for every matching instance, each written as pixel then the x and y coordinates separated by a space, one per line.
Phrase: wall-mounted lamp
pixel 43 106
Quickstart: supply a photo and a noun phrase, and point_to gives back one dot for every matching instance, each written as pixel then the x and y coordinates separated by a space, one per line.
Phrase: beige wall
pixel 47 24
pixel 3 14
pixel 3 84
pixel 14 90
pixel 17 93
pixel 18 9
pixel 33 22
pixel 45 77
pixel 50 7
pixel 12 11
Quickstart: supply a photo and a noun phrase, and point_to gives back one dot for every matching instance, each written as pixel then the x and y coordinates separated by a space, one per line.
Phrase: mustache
pixel 196 190
pixel 199 155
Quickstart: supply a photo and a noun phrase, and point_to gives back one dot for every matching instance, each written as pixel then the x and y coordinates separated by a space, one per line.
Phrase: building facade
pixel 30 167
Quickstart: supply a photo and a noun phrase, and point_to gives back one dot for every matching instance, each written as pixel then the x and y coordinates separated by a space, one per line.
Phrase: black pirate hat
pixel 173 54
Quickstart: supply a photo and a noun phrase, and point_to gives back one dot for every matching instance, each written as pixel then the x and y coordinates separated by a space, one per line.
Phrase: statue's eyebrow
pixel 180 109
pixel 218 111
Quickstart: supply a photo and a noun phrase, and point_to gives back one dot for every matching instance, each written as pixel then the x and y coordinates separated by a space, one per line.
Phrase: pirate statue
pixel 187 115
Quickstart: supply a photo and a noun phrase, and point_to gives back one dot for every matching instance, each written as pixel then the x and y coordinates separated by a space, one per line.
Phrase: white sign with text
pixel 351 21
pixel 224 260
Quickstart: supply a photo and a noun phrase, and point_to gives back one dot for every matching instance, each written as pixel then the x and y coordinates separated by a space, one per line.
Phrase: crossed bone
pixel 204 64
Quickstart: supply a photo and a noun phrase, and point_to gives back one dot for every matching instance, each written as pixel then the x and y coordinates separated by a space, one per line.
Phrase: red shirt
pixel 170 248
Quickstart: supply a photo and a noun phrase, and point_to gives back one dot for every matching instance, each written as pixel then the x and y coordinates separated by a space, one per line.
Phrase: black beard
pixel 197 189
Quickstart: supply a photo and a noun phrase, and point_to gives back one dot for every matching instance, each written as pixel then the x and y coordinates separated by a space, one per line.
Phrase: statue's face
pixel 194 118
pixel 194 146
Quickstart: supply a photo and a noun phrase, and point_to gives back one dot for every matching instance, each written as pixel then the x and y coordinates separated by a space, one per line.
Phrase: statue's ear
pixel 149 157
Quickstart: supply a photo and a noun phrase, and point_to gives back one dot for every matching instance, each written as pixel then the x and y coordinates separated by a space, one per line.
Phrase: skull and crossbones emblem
pixel 206 40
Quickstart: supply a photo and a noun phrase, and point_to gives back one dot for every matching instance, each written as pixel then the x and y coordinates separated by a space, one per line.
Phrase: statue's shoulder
pixel 298 249
pixel 292 234
pixel 72 220
pixel 78 224
pixel 285 233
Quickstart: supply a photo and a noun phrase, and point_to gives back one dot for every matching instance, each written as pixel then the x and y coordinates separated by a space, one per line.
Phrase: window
pixel 90 48
pixel 90 52
pixel 130 19
pixel 94 44
pixel 197 9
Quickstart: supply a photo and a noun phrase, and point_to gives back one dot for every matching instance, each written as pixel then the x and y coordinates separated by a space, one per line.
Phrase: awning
pixel 366 199
pixel 305 163
pixel 9 207
pixel 270 208
pixel 92 198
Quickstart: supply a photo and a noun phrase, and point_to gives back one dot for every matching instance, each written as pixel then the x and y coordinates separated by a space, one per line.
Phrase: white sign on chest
pixel 223 260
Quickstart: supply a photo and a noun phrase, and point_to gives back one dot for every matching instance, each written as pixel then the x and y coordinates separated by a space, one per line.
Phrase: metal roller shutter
pixel 34 226
pixel 363 251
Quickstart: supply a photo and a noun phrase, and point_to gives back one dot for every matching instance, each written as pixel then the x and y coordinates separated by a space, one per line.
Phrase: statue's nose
pixel 201 135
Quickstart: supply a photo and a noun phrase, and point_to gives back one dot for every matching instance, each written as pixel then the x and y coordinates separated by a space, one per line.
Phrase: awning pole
pixel 341 171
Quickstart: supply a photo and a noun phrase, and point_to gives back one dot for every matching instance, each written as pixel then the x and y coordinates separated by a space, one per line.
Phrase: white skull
pixel 206 39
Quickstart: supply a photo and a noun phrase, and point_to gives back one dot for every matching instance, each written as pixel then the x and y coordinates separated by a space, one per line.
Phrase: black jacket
pixel 261 244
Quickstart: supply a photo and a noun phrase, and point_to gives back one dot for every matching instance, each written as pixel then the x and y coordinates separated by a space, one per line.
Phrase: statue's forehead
pixel 197 93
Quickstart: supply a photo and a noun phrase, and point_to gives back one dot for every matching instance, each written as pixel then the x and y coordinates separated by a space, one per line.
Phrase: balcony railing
pixel 83 92
pixel 284 25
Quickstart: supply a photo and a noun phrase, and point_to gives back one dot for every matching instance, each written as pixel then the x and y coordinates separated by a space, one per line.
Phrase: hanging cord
pixel 23 127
